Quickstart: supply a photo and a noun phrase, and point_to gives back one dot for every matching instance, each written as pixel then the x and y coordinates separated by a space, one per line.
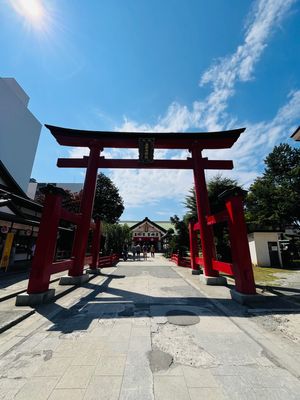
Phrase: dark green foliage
pixel 215 186
pixel 273 199
pixel 115 237
pixel 108 203
pixel 179 241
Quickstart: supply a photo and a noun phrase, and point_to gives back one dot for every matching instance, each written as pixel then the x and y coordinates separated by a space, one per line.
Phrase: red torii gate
pixel 146 142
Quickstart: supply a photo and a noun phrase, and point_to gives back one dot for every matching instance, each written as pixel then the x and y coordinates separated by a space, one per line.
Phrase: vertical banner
pixel 6 250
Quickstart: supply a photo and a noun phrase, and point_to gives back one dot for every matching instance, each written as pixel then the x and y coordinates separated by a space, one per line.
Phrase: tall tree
pixel 273 199
pixel 108 202
pixel 215 186
pixel 116 236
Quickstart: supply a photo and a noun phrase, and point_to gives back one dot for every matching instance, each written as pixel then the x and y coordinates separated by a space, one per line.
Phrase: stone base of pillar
pixel 213 280
pixel 33 299
pixel 247 299
pixel 196 271
pixel 93 271
pixel 74 280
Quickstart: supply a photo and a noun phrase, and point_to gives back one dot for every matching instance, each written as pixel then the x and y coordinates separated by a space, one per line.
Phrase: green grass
pixel 265 275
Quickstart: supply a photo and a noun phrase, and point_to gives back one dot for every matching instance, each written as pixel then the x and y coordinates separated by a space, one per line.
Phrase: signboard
pixel 6 250
pixel 146 150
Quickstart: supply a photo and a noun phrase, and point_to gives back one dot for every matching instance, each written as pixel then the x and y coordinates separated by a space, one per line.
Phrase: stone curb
pixel 14 322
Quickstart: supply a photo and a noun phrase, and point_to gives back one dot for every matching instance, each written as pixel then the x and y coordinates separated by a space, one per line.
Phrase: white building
pixel 148 232
pixel 19 132
pixel 265 249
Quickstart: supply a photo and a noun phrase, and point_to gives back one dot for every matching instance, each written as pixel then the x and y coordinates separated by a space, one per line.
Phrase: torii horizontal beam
pixel 136 164
pixel 163 140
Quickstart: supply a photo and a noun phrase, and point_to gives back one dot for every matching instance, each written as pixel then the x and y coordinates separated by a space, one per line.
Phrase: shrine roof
pixel 165 140
pixel 164 225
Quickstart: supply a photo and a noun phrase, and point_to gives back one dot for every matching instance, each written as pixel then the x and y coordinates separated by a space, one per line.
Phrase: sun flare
pixel 32 10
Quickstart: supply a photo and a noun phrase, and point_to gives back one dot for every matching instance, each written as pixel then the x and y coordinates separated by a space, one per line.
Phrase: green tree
pixel 273 199
pixel 215 186
pixel 116 236
pixel 179 239
pixel 108 202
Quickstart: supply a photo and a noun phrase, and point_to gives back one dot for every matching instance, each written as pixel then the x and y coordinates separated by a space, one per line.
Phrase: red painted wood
pixel 70 216
pixel 160 144
pixel 45 246
pixel 196 226
pixel 193 246
pixel 96 245
pixel 217 218
pixel 223 267
pixel 218 164
pixel 156 164
pixel 181 262
pixel 86 208
pixel 60 266
pixel 199 261
pixel 242 266
pixel 163 140
pixel 206 233
pixel 108 261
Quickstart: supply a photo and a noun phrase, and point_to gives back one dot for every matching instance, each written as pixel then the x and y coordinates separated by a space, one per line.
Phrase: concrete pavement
pixel 150 331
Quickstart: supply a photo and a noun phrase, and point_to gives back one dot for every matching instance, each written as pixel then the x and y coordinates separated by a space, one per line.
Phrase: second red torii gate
pixel 96 141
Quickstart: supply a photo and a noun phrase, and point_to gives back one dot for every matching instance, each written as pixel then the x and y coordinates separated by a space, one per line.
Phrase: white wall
pixel 258 244
pixel 252 249
pixel 19 132
pixel 31 190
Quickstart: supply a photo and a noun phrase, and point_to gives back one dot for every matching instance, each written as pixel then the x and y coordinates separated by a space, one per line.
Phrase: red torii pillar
pixel 193 248
pixel 203 210
pixel 86 209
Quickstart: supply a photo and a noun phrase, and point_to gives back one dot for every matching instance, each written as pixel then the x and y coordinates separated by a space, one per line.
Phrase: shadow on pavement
pixel 120 303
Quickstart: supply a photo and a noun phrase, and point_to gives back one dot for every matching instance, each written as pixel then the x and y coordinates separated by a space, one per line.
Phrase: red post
pixel 193 249
pixel 202 202
pixel 242 266
pixel 96 244
pixel 46 243
pixel 86 209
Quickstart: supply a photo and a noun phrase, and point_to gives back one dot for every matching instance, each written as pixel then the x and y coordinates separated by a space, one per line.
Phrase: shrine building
pixel 149 232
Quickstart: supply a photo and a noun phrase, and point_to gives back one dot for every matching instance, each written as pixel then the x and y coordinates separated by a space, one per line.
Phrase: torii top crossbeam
pixel 163 140
pixel 192 141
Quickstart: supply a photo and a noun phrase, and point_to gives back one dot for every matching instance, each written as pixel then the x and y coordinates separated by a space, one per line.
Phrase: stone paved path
pixel 131 338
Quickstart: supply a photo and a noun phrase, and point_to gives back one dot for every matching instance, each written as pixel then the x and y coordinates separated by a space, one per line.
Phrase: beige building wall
pixel 259 250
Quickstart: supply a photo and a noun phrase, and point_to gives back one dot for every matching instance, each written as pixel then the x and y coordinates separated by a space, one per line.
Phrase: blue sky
pixel 168 65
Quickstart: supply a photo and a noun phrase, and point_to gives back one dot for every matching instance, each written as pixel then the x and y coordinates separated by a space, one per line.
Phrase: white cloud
pixel 146 187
